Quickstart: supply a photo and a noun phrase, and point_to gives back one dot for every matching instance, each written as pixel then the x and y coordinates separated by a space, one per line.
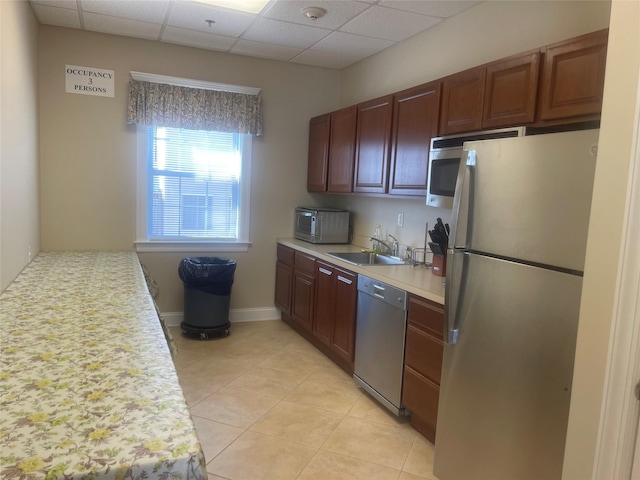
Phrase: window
pixel 193 190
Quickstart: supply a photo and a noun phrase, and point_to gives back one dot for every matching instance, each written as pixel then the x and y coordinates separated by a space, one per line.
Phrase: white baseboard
pixel 174 319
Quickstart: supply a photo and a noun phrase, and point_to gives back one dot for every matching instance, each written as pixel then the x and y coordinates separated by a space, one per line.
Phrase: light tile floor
pixel 268 405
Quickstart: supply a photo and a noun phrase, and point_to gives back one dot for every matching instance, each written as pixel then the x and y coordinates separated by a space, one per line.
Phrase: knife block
pixel 439 265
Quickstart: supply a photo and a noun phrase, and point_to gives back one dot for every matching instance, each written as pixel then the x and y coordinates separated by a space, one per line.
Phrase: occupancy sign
pixel 89 81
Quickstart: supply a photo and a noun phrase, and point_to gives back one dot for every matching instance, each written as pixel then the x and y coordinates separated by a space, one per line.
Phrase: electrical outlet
pixel 401 219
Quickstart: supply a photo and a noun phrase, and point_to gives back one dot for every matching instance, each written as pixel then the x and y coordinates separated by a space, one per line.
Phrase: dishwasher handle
pixel 378 291
pixel 382 291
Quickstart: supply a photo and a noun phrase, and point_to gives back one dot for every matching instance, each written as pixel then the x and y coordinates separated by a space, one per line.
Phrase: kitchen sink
pixel 366 258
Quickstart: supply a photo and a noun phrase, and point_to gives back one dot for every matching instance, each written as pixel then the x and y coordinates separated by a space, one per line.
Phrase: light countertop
pixel 418 280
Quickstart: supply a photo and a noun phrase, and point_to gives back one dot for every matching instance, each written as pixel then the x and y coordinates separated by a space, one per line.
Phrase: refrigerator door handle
pixel 462 211
pixel 456 266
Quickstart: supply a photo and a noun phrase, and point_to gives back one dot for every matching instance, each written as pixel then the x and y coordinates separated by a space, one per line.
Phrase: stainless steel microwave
pixel 444 161
pixel 321 225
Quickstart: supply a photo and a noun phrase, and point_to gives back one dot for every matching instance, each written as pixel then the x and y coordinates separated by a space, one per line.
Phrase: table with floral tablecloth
pixel 88 388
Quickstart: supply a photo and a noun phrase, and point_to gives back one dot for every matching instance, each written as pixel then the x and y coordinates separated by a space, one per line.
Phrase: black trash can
pixel 207 293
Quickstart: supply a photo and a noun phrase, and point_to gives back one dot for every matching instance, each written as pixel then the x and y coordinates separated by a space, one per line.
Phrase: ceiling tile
pixel 283 33
pixel 338 12
pixel 389 23
pixel 324 59
pixel 350 44
pixel 434 8
pixel 71 4
pixel 61 17
pixel 193 16
pixel 121 26
pixel 192 38
pixel 264 50
pixel 350 30
pixel 152 11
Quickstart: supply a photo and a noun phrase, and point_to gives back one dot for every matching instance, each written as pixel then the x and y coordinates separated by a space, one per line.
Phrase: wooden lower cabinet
pixel 295 287
pixel 343 340
pixel 423 364
pixel 335 312
pixel 284 279
pixel 423 394
pixel 303 294
pixel 318 300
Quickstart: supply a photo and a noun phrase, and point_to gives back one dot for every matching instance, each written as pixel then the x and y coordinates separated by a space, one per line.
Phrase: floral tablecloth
pixel 88 389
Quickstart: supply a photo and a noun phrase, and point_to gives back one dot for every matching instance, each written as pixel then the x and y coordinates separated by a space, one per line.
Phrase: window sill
pixel 191 247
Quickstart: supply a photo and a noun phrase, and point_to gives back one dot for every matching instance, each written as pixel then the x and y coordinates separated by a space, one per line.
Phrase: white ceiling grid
pixel 348 32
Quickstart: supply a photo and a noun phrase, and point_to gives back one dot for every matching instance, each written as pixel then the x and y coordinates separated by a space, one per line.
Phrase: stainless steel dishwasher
pixel 380 333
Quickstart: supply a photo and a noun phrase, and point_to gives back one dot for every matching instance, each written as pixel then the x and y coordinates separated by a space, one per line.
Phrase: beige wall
pixel 486 32
pixel 615 150
pixel 19 213
pixel 88 153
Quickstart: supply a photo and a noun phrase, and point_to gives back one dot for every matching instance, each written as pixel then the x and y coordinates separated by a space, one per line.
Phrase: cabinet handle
pixel 325 271
pixel 345 280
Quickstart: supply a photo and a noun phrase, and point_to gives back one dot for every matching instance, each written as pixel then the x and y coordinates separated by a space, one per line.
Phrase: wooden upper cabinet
pixel 573 77
pixel 462 100
pixel 342 150
pixel 373 139
pixel 415 122
pixel 382 146
pixel 318 160
pixel 511 90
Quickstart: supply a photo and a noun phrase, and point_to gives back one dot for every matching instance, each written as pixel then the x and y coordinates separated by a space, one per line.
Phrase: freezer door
pixel 528 198
pixel 505 391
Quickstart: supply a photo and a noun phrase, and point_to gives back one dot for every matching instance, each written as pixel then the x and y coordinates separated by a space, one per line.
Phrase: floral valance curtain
pixel 164 105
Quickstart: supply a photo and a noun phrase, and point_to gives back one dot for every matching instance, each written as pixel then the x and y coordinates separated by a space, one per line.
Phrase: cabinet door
pixel 302 302
pixel 415 121
pixel 373 139
pixel 573 77
pixel 342 150
pixel 284 277
pixel 426 315
pixel 421 396
pixel 318 160
pixel 462 100
pixel 424 354
pixel 344 327
pixel 325 303
pixel 510 91
pixel 303 295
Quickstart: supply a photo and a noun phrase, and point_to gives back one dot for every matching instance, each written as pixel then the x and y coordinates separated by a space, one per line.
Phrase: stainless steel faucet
pixel 389 249
pixel 394 249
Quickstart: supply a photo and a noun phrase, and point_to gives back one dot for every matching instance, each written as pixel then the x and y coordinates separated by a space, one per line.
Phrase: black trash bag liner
pixel 208 274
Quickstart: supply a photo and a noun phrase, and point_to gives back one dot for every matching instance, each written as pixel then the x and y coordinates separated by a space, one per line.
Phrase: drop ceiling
pixel 348 32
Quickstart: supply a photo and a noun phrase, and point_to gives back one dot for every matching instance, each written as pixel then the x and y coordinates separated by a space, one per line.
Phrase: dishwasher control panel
pixel 383 291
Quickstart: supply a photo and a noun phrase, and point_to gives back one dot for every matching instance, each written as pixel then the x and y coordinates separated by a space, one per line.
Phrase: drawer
pixel 285 254
pixel 420 395
pixel 305 263
pixel 427 315
pixel 424 353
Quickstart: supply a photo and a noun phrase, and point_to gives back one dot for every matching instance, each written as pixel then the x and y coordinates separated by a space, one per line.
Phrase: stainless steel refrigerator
pixel 512 299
